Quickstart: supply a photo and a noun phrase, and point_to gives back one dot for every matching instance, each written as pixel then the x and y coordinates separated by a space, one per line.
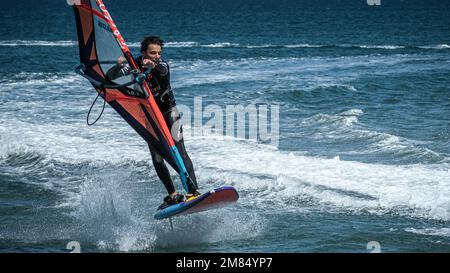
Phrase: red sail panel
pixel 99 52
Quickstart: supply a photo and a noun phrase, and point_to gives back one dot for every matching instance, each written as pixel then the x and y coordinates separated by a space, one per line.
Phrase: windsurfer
pixel 159 83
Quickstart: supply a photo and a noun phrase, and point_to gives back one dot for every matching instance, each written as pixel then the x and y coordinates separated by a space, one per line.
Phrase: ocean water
pixel 363 153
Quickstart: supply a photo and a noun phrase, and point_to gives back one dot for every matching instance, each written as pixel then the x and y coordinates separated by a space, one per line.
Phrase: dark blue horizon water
pixel 364 128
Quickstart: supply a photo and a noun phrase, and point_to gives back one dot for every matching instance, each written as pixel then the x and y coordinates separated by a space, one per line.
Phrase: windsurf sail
pixel 101 45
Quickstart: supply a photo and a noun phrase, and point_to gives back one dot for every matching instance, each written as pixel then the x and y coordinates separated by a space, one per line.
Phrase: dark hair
pixel 151 40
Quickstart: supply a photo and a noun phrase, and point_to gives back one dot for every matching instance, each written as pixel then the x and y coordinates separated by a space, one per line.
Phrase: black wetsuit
pixel 159 83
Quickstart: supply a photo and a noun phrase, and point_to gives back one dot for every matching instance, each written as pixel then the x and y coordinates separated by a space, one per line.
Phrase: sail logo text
pixel 113 26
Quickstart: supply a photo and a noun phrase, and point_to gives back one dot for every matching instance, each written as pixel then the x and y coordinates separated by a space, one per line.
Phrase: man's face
pixel 153 52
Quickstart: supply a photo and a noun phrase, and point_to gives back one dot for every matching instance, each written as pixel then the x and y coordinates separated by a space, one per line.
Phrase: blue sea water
pixel 364 129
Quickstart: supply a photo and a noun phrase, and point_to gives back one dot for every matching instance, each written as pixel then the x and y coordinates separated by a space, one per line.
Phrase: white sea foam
pixel 39 79
pixel 260 46
pixel 196 72
pixel 71 142
pixel 38 43
pixel 221 44
pixel 444 232
pixel 278 179
pixel 441 46
pixel 105 204
pixel 181 44
pixel 267 174
pixel 302 46
pixel 382 46
pixel 334 122
pixel 279 176
pixel 268 179
pixel 169 44
pixel 345 126
pixel 143 235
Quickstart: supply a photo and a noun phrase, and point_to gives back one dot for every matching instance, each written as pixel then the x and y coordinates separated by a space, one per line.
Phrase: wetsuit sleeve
pixel 162 69
pixel 119 70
